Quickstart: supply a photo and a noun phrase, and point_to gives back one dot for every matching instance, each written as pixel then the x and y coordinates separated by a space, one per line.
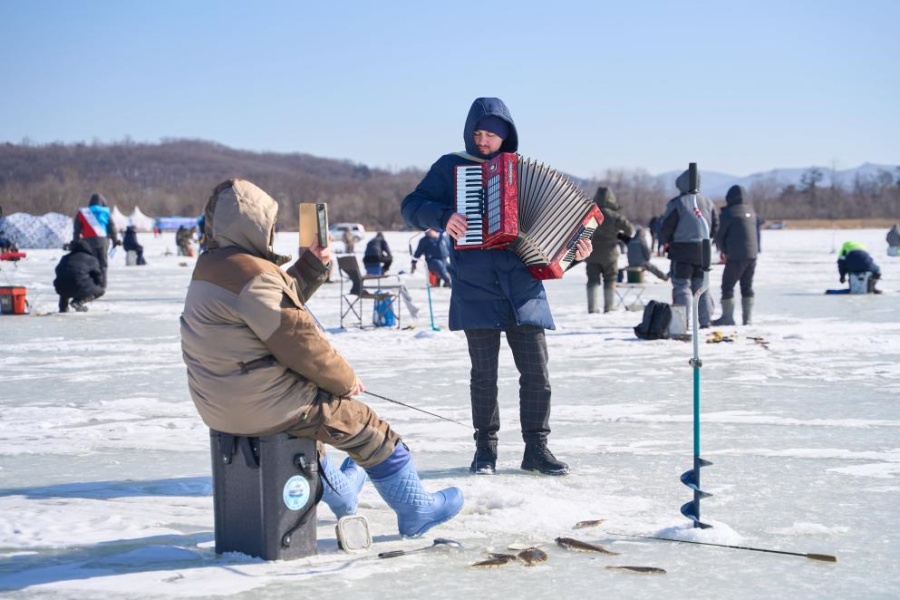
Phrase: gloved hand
pixel 117 243
pixel 842 278
pixel 412 268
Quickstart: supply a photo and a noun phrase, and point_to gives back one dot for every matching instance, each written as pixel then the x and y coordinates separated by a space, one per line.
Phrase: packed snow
pixel 105 487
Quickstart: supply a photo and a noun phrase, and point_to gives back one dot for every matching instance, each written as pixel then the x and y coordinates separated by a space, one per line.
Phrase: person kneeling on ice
pixel 79 276
pixel 853 259
pixel 258 364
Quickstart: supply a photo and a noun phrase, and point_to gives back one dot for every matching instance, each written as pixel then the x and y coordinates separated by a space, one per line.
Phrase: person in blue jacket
pixel 436 252
pixel 493 292
pixel 853 258
pixel 95 226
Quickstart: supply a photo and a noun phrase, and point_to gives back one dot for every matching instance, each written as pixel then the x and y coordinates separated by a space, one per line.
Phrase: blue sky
pixel 738 87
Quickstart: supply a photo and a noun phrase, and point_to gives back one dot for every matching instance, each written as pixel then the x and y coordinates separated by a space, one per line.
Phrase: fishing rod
pixel 810 555
pixel 418 409
pixel 391 399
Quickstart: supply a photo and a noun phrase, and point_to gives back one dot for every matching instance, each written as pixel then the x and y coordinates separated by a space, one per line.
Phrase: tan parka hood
pixel 240 214
pixel 256 358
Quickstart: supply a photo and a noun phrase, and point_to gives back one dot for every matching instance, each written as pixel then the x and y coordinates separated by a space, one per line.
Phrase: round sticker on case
pixel 296 492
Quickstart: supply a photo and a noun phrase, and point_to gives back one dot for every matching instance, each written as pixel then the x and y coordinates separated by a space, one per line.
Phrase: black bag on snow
pixel 655 324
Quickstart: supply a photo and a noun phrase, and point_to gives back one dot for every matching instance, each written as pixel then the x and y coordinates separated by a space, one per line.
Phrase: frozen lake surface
pixel 105 487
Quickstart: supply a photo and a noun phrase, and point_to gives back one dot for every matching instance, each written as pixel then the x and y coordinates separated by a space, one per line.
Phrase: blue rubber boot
pixel 346 481
pixel 397 482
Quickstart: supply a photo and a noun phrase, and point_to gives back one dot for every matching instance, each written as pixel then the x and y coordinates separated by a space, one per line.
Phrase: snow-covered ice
pixel 105 488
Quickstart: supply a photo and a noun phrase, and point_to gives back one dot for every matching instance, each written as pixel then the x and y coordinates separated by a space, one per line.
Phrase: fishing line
pixel 811 556
pixel 460 423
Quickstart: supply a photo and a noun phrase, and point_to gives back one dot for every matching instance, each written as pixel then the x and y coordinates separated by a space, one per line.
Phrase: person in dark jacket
pixel 79 277
pixel 853 259
pixel 378 257
pixel 493 292
pixel 639 252
pixel 94 225
pixel 893 240
pixel 682 232
pixel 604 258
pixel 130 244
pixel 436 253
pixel 738 241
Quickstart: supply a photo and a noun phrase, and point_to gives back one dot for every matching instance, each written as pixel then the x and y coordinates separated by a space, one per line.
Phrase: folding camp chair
pixel 365 287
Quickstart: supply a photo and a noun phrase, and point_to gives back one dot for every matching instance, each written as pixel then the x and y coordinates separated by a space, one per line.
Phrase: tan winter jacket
pixel 255 356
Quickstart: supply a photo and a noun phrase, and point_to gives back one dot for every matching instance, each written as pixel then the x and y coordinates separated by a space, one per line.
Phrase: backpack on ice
pixel 383 313
pixel 655 324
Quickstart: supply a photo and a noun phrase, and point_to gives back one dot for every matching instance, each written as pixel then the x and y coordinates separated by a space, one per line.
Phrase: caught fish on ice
pixel 579 546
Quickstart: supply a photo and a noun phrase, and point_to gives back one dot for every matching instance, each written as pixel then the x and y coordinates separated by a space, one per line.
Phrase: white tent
pixel 141 221
pixel 51 230
pixel 118 218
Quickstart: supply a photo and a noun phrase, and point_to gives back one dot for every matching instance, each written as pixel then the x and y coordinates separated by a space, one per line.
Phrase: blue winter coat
pixel 434 249
pixel 857 261
pixel 491 288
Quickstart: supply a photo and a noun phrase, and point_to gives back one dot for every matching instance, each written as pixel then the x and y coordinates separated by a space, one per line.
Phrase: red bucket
pixel 12 300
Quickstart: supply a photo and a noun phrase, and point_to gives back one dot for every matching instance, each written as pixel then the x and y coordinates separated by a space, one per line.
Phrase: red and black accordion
pixel 526 207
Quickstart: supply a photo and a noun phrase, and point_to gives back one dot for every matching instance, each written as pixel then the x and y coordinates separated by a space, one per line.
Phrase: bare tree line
pixel 175 177
pixel 866 197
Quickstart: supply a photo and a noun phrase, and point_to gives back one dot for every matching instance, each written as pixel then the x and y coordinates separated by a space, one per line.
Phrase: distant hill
pixel 715 185
pixel 175 177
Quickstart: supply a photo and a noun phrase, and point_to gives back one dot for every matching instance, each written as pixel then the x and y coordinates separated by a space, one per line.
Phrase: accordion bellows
pixel 526 207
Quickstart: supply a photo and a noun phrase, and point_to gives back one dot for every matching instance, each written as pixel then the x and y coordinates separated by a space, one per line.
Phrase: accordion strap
pixel 468 156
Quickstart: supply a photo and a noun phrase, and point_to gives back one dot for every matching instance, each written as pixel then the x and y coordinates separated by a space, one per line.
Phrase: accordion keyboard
pixel 469 202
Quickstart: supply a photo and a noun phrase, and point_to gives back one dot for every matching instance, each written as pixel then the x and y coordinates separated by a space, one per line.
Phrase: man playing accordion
pixel 493 292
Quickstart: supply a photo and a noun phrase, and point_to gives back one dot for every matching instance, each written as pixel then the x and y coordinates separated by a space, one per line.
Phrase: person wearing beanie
pixel 493 292
pixel 738 242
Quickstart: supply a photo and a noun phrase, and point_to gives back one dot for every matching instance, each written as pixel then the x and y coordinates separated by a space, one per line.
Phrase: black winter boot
pixel 539 458
pixel 485 461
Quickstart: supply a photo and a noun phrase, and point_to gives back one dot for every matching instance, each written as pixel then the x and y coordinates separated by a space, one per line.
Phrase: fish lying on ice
pixel 532 556
pixel 579 546
pixel 495 560
pixel 633 569
pixel 586 524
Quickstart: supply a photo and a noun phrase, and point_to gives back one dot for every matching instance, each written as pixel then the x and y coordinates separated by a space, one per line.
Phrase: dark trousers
pixel 100 248
pixel 609 272
pixel 735 271
pixel 529 349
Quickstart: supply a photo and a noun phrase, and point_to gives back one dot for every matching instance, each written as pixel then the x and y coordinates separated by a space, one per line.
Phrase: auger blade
pixel 689 478
pixel 689 510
